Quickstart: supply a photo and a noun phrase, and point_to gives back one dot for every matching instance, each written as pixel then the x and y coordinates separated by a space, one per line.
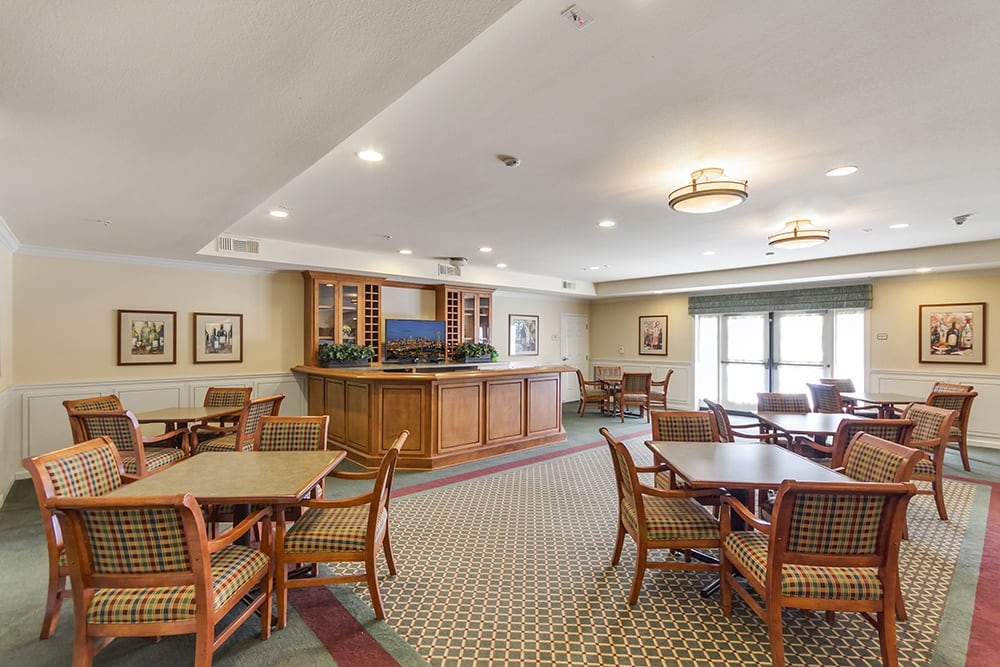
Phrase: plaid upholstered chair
pixel 681 426
pixel 592 392
pixel 141 455
pixel 343 530
pixel 227 397
pixel 634 390
pixel 109 403
pixel 931 427
pixel 658 391
pixel 777 402
pixel 658 519
pixel 728 432
pixel 846 386
pixel 831 546
pixel 825 398
pixel 143 567
pixel 90 468
pixel 951 386
pixel 961 403
pixel 240 436
pixel 893 430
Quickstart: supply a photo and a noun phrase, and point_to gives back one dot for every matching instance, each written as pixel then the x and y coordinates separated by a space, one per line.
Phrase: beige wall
pixel 615 324
pixel 6 317
pixel 549 311
pixel 67 325
pixel 895 308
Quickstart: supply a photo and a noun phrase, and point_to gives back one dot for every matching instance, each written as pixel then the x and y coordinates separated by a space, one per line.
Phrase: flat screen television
pixel 414 341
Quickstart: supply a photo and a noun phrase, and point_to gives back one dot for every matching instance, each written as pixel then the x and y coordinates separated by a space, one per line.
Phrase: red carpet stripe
pixel 346 640
pixel 986 612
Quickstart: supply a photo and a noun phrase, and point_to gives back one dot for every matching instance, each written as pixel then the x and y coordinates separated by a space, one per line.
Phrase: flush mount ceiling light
pixel 278 212
pixel 709 191
pixel 799 234
pixel 370 155
pixel 845 170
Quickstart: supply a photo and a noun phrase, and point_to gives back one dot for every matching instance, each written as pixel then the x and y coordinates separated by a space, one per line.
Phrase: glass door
pixel 802 344
pixel 744 359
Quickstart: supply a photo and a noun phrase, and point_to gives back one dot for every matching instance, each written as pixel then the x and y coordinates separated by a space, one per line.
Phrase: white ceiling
pixel 178 122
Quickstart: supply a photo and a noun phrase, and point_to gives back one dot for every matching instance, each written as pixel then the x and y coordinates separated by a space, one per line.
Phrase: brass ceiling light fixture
pixel 709 191
pixel 799 234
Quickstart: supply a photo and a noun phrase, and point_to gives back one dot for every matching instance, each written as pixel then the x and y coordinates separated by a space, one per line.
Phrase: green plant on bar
pixel 473 351
pixel 332 352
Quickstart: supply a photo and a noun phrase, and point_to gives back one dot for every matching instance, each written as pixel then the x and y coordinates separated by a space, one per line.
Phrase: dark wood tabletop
pixel 739 465
pixel 810 424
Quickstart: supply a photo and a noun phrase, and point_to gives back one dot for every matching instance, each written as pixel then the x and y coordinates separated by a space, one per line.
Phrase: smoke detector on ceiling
pixel 458 262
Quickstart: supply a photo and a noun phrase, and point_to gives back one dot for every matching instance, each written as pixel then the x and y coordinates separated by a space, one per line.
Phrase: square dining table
pixel 886 401
pixel 809 424
pixel 182 416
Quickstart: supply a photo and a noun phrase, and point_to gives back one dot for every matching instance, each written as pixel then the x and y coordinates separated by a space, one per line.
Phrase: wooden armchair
pixel 681 426
pixel 846 386
pixel 826 398
pixel 227 397
pixel 592 392
pixel 832 546
pixel 634 390
pixel 931 427
pixel 344 530
pixel 961 403
pixel 658 519
pixel 90 468
pixel 893 430
pixel 240 436
pixel 141 455
pixel 728 432
pixel 658 391
pixel 109 403
pixel 143 567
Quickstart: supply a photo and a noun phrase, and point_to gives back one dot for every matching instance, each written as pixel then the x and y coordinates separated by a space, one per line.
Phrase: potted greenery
pixel 335 355
pixel 478 352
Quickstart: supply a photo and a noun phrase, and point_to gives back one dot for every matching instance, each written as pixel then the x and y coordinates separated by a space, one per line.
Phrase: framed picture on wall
pixel 653 334
pixel 523 335
pixel 218 337
pixel 953 333
pixel 147 337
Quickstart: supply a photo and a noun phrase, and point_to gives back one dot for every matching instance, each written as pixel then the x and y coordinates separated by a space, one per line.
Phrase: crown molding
pixel 111 258
pixel 7 238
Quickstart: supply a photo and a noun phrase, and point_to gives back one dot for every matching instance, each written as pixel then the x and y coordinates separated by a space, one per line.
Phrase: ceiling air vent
pixel 449 270
pixel 233 244
pixel 569 284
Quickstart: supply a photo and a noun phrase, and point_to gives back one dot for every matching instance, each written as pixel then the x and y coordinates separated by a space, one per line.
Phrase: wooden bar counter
pixel 455 413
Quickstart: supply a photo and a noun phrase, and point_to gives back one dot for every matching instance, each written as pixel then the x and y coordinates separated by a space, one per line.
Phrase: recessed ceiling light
pixel 485 248
pixel 593 268
pixel 899 225
pixel 606 223
pixel 278 213
pixel 924 269
pixel 708 252
pixel 370 155
pixel 405 251
pixel 501 265
pixel 845 170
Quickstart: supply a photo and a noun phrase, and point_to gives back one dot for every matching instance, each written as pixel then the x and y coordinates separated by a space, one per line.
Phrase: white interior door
pixel 574 346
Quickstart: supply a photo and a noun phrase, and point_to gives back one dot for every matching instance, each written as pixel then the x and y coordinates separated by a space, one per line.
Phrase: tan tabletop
pixel 811 424
pixel 265 478
pixel 185 415
pixel 884 400
pixel 739 465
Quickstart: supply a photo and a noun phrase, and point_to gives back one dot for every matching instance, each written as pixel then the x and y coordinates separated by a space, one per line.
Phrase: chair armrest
pixel 655 468
pixel 169 435
pixel 346 474
pixel 751 519
pixel 798 443
pixel 239 530
pixel 322 503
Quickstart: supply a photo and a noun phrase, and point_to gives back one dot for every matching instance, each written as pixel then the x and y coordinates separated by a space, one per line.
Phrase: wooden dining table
pixel 240 479
pixel 809 424
pixel 886 401
pixel 745 467
pixel 181 417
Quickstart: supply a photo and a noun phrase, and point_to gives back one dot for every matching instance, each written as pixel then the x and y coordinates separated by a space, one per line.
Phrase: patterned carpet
pixel 513 568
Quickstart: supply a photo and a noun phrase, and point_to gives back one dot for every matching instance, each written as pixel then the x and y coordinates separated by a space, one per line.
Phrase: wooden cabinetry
pixel 468 314
pixel 340 309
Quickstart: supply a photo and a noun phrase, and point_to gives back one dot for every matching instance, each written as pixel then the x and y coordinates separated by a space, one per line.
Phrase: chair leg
pixel 886 624
pixel 725 586
pixel 203 641
pixel 963 449
pixel 619 542
pixel 281 591
pixel 372 577
pixel 387 548
pixel 640 571
pixel 53 601
pixel 775 636
pixel 939 499
pixel 900 603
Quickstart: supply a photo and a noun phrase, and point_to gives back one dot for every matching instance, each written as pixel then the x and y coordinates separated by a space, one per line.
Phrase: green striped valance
pixel 813 298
